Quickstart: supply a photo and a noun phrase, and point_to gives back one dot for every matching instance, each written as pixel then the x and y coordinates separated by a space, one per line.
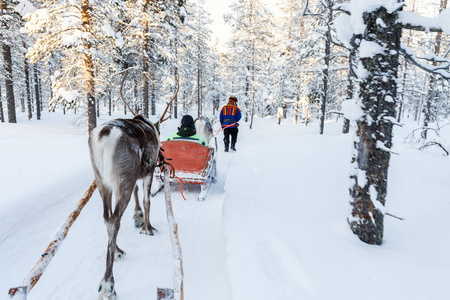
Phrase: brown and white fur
pixel 122 151
pixel 204 127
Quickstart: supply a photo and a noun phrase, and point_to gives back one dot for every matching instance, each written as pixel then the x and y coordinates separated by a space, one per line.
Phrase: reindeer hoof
pixel 148 231
pixel 106 290
pixel 138 219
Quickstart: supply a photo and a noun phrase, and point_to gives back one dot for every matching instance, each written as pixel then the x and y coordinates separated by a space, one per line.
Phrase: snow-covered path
pixel 273 226
pixel 27 224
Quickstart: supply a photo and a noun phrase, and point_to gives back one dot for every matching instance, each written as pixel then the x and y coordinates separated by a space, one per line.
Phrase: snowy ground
pixel 273 227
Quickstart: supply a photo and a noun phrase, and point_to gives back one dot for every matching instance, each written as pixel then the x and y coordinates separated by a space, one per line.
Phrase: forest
pixel 373 63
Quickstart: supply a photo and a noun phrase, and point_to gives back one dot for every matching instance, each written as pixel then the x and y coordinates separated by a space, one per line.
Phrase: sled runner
pixel 193 163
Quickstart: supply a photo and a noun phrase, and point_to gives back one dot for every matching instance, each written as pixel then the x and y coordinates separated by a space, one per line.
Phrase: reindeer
pixel 123 151
pixel 204 127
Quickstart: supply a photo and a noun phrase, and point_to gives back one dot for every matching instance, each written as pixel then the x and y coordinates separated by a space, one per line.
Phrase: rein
pixel 226 126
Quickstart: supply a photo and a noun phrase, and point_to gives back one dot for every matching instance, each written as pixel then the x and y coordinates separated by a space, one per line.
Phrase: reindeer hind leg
pixel 106 288
pixel 138 216
pixel 147 228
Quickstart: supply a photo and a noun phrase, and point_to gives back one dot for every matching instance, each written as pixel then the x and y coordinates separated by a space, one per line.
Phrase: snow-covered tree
pixel 10 39
pixel 76 31
pixel 374 30
pixel 250 52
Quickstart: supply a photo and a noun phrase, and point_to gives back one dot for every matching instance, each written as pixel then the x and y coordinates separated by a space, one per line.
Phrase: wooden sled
pixel 193 163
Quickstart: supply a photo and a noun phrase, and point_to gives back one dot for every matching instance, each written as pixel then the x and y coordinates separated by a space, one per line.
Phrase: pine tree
pixel 78 34
pixel 377 44
pixel 250 52
pixel 9 27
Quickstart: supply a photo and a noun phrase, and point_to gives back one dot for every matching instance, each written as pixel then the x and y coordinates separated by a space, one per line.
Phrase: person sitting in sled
pixel 187 132
pixel 229 117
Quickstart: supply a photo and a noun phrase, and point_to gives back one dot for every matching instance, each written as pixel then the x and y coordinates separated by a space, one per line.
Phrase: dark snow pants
pixel 233 131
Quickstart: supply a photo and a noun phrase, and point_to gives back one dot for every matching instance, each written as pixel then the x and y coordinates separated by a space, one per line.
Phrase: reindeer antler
pixel 168 104
pixel 121 94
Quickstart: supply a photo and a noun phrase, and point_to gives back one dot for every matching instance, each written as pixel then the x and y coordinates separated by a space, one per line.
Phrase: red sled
pixel 193 163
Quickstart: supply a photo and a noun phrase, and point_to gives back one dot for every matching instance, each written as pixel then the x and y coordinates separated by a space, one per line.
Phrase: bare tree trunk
pixel 7 61
pixel 153 93
pixel 109 102
pixel 253 88
pixel 199 88
pixel 327 65
pixel 11 103
pixel 378 94
pixel 36 93
pixel 145 84
pixel 145 45
pixel 175 102
pixel 408 44
pixel 431 90
pixel 28 88
pixel 88 65
pixel 252 111
pixel 346 127
pixel 2 116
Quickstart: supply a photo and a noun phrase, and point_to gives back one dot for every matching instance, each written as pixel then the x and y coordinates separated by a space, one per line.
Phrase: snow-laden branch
pixel 308 12
pixel 442 70
pixel 441 23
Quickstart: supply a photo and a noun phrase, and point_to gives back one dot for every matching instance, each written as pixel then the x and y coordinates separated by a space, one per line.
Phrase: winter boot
pixel 233 147
pixel 226 148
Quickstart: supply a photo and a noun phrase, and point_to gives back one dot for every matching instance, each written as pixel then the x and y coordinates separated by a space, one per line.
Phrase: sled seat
pixel 190 160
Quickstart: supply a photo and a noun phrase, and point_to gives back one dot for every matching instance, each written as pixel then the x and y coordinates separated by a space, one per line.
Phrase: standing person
pixel 229 117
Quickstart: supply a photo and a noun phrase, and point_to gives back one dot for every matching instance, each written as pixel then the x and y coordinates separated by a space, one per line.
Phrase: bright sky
pixel 217 8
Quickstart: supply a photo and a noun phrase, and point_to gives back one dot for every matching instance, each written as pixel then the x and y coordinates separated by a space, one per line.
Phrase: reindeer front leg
pixel 147 228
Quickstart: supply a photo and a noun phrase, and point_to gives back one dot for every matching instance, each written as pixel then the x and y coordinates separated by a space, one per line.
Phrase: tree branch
pixel 438 70
pixel 434 143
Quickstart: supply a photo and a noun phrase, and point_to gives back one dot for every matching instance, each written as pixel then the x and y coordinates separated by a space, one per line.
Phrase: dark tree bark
pixel 431 89
pixel 88 65
pixel 28 88
pixel 145 46
pixel 109 102
pixel 325 71
pixel 10 101
pixel 175 102
pixel 2 116
pixel 7 61
pixel 153 100
pixel 199 87
pixel 37 97
pixel 378 94
pixel 346 127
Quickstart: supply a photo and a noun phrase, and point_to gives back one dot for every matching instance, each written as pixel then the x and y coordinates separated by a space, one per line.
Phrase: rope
pixel 226 126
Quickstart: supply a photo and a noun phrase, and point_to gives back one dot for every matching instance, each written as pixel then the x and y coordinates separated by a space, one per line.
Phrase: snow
pixel 69 96
pixel 344 29
pixel 24 7
pixel 369 49
pixel 442 21
pixel 274 226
